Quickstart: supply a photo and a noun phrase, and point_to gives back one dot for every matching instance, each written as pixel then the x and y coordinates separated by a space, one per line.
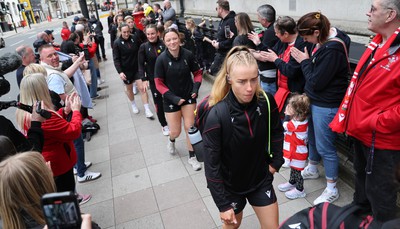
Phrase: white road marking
pixel 32 36
pixel 17 43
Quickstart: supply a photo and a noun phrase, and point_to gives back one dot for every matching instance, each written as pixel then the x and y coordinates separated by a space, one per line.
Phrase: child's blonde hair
pixel 300 105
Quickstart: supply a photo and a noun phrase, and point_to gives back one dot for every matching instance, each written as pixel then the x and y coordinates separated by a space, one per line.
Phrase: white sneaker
pixel 148 113
pixel 307 174
pixel 286 187
pixel 295 194
pixel 165 130
pixel 327 196
pixel 286 164
pixel 135 109
pixel 194 163
pixel 87 163
pixel 171 147
pixel 100 82
pixel 134 89
pixel 89 176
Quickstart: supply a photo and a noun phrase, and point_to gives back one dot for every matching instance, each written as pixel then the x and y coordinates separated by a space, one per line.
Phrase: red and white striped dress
pixel 295 143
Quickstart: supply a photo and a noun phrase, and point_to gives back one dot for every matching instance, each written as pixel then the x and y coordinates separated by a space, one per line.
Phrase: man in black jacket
pixel 266 16
pixel 223 43
pixel 97 27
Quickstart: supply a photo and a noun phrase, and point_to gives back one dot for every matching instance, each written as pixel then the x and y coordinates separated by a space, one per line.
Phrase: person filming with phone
pixel 25 178
pixel 224 40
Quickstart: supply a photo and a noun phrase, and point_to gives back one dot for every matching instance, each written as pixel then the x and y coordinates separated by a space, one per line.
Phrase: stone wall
pixel 345 14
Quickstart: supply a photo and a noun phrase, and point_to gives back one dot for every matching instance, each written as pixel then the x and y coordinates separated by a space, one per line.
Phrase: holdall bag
pixel 329 216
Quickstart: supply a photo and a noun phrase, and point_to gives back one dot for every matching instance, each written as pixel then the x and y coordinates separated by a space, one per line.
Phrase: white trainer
pixel 327 196
pixel 307 174
pixel 148 113
pixel 135 109
pixel 286 187
pixel 165 130
pixel 171 147
pixel 87 163
pixel 295 194
pixel 194 163
pixel 89 176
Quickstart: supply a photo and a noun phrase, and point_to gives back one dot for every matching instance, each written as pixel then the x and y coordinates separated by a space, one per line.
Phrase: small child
pixel 295 144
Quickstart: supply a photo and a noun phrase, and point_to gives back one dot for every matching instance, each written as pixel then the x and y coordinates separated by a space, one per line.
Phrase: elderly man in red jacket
pixel 370 113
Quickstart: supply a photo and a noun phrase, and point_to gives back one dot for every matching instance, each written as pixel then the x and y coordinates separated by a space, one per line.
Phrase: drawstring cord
pixel 368 169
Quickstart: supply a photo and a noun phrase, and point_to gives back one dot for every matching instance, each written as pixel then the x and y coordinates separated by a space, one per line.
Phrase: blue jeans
pixel 93 85
pixel 269 87
pixel 321 140
pixel 80 152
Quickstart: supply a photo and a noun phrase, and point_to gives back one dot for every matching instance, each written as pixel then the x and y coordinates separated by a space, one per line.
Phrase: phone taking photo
pixel 61 210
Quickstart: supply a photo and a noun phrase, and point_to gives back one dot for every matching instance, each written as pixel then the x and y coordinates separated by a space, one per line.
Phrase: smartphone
pixel 61 210
pixel 227 31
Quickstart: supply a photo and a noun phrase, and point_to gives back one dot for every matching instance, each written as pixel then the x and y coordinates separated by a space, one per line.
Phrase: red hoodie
pixel 65 32
pixel 58 141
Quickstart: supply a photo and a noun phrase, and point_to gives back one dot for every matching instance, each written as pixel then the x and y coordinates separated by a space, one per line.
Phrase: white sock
pixel 133 103
pixel 146 106
pixel 313 168
pixel 331 186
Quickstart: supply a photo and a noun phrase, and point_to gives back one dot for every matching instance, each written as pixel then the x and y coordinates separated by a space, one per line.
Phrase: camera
pixel 61 210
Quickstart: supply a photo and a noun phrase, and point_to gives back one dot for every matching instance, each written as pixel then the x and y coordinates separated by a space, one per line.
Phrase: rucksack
pixel 329 216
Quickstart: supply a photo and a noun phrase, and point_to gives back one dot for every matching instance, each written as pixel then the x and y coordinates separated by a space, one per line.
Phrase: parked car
pixel 2 43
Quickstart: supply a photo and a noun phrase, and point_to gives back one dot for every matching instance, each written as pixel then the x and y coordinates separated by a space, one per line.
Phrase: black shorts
pixel 263 196
pixel 170 107
pixel 131 77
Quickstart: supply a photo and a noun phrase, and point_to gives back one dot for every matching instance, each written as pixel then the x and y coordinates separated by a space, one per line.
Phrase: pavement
pixel 142 185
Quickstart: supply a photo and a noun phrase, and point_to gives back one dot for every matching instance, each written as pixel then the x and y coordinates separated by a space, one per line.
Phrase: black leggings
pixel 65 182
pixel 158 102
pixel 296 178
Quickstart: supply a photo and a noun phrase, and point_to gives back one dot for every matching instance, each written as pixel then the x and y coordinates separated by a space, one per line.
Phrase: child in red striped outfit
pixel 295 150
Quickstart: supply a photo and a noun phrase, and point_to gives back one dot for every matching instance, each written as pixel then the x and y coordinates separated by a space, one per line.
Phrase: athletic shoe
pixel 286 164
pixel 165 130
pixel 171 147
pixel 100 81
pixel 87 163
pixel 194 163
pixel 135 91
pixel 83 199
pixel 286 187
pixel 327 196
pixel 135 109
pixel 307 174
pixel 92 119
pixel 148 113
pixel 295 194
pixel 89 176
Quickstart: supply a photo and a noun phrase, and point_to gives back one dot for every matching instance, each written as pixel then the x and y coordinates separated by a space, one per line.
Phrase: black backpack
pixel 329 216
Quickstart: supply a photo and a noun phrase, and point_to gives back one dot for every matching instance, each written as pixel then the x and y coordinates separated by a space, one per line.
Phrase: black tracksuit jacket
pixel 241 166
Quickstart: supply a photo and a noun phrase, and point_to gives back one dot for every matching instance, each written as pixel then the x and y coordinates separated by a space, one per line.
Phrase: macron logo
pixel 232 118
pixel 268 193
pixel 295 226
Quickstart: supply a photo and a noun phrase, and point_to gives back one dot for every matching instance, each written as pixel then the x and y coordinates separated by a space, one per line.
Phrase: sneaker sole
pixel 85 201
pixel 91 179
pixel 331 200
pixel 295 197
pixel 286 189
